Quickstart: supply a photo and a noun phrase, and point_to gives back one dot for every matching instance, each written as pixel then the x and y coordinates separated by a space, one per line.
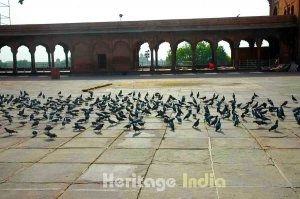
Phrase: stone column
pixel 193 57
pixel 236 56
pixel 156 57
pixel 152 61
pixel 66 55
pixel 52 59
pixel 14 52
pixel 173 49
pixel 258 56
pixel 214 47
pixel 33 69
pixel 49 58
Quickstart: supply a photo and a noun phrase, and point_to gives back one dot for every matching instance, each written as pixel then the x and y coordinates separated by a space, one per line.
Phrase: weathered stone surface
pixel 240 156
pixel 23 155
pixel 102 134
pixel 137 143
pixel 43 143
pixel 285 156
pixel 257 192
pixel 97 172
pixel 182 156
pixel 178 172
pixel 88 143
pixel 96 191
pixel 179 193
pixel 9 169
pixel 184 143
pixel 50 173
pixel 250 175
pixel 238 143
pixel 292 172
pixel 30 190
pixel 126 156
pixel 74 155
pixel 144 134
pixel 280 143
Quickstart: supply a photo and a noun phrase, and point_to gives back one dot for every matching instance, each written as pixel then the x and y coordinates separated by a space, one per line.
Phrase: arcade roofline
pixel 174 25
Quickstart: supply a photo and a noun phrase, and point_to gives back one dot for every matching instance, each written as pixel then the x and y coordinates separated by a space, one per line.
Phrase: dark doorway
pixel 102 61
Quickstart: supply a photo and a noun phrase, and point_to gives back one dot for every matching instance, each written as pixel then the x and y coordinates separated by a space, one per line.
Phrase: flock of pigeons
pixel 112 109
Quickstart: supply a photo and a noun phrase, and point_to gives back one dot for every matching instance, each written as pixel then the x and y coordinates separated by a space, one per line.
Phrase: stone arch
pixel 6 58
pixel 23 58
pixel 164 48
pixel 203 53
pixel 42 57
pixel 184 54
pixel 224 52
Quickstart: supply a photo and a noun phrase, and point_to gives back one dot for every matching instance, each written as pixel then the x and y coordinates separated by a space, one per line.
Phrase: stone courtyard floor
pixel 241 162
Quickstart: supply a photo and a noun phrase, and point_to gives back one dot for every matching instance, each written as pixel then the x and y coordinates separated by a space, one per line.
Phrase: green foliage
pixel 203 54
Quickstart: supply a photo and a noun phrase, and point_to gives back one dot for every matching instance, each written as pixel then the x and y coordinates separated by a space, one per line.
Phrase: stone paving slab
pixel 184 143
pixel 9 169
pixel 126 156
pixel 282 143
pixel 232 133
pixel 244 175
pixel 237 143
pixel 50 173
pixel 240 156
pixel 74 155
pixel 96 191
pixel 141 143
pixel 182 156
pixel 144 134
pixel 42 143
pixel 292 173
pixel 97 173
pixel 285 156
pixel 29 190
pixel 177 171
pixel 88 143
pixel 102 134
pixel 257 192
pixel 179 193
pixel 23 155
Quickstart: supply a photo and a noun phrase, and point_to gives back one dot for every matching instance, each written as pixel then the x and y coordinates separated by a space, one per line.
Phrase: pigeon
pixel 78 127
pixel 35 124
pixel 196 124
pixel 294 99
pixel 274 127
pixel 112 122
pixel 218 125
pixel 127 126
pixel 10 131
pixel 99 127
pixel 284 103
pixel 135 128
pixel 51 135
pixel 48 128
pixel 34 133
pixel 21 2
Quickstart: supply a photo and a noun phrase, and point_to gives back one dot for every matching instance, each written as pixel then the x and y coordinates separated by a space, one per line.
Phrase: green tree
pixel 203 54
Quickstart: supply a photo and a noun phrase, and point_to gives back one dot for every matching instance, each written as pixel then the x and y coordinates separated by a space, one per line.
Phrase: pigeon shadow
pixel 49 139
pixel 197 129
pixel 221 131
pixel 98 132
